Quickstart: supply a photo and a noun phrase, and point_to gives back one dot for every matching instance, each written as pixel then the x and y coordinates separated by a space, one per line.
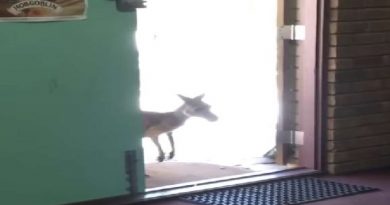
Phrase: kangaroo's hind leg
pixel 161 155
pixel 170 137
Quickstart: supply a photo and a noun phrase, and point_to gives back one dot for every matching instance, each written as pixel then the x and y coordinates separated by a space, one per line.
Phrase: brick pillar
pixel 359 85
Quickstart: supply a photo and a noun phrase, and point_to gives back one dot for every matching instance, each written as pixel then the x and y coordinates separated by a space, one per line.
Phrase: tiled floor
pixel 172 173
pixel 377 178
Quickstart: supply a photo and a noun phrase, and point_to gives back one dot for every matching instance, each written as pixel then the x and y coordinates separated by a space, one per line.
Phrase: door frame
pixel 318 140
pixel 306 86
pixel 322 42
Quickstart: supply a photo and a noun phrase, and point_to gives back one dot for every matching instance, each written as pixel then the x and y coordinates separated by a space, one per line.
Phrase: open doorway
pixel 226 50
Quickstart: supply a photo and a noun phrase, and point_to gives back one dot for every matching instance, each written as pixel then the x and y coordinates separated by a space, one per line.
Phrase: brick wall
pixel 359 85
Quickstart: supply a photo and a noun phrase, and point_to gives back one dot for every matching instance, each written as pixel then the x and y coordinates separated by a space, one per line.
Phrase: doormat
pixel 282 192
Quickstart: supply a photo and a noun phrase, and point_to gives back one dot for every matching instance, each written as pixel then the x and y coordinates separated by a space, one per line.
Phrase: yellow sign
pixel 42 10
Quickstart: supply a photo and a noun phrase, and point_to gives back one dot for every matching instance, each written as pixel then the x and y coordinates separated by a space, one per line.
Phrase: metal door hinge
pixel 290 137
pixel 292 32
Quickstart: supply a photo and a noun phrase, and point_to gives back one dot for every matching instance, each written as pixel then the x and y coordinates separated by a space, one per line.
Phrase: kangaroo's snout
pixel 211 117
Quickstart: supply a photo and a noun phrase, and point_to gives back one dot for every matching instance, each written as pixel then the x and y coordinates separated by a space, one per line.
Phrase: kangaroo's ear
pixel 184 98
pixel 200 97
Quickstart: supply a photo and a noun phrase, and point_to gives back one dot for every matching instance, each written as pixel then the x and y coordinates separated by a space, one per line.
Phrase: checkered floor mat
pixel 281 192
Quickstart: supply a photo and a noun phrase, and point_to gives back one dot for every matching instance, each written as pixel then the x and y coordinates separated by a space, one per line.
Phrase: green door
pixel 68 108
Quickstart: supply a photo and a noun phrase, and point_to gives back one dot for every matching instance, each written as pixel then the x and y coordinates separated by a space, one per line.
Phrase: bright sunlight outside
pixel 225 49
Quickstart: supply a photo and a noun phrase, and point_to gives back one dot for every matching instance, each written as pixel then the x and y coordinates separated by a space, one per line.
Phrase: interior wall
pixel 359 82
pixel 69 107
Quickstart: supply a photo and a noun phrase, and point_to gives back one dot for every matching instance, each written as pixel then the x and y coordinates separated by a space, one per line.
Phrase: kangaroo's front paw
pixel 160 158
pixel 171 155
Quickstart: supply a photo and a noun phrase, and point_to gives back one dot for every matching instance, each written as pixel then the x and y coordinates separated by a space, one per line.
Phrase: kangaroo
pixel 156 123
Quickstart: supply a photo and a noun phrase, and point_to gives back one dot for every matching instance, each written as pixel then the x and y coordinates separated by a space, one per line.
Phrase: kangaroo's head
pixel 195 107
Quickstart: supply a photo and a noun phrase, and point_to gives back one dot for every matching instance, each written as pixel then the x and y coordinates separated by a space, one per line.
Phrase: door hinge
pixel 292 32
pixel 290 137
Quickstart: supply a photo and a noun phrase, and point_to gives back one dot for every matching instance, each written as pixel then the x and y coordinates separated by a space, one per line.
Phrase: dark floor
pixel 376 178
